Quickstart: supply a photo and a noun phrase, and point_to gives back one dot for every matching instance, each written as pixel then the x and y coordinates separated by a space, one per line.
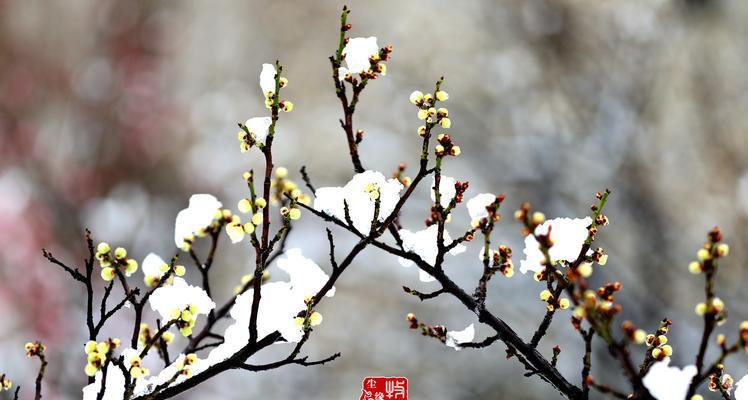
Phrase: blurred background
pixel 112 113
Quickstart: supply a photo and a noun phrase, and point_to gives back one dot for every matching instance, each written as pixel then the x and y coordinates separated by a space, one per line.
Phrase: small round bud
pixel 416 97
pixel 445 123
pixel 694 267
pixel 700 309
pixel 702 254
pixel 538 218
pixel 257 219
pixel 442 95
pixel 286 106
pixel 103 248
pixel 179 270
pixel 422 114
pixel 545 295
pixel 639 336
pixel 315 319
pixel 563 303
pixel 455 151
pixel 585 269
pixel 247 176
pixel 120 253
pixel 281 172
pixel 260 202
pixel 107 274
pixel 722 250
pixel 294 213
pixel 244 206
pixel 248 228
pixel 667 350
pixel 90 369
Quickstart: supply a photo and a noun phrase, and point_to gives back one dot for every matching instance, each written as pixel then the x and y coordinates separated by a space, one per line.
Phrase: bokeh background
pixel 112 113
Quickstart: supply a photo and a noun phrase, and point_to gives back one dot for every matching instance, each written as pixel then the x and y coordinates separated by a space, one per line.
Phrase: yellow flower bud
pixel 248 228
pixel 639 336
pixel 603 259
pixel 563 303
pixel 260 202
pixel 545 295
pixel 168 337
pixel 668 350
pixel 107 274
pixel 702 254
pixel 538 218
pixel 247 176
pixel 103 248
pixel 416 97
pixel 131 267
pixel 186 331
pixel 179 270
pixel 287 106
pixel 281 172
pixel 282 81
pixel 120 253
pixel 694 267
pixel 445 122
pixel 294 213
pixel 422 114
pixel 585 269
pixel 697 397
pixel 90 369
pixel 315 319
pixel 700 309
pixel 442 95
pixel 421 130
pixel 90 347
pixel 102 347
pixel 244 206
pixel 723 250
pixel 257 219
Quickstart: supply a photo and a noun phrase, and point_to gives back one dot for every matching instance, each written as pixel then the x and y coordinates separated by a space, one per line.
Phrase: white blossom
pixel 180 295
pixel 568 236
pixel 668 383
pixel 447 190
pixel 360 194
pixel 195 218
pixel 258 128
pixel 477 205
pixel 357 53
pixel 456 338
pixel 267 79
pixel 423 243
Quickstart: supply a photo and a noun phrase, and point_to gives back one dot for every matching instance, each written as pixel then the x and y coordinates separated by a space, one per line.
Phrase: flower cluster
pixel 145 337
pixel 428 112
pixel 657 343
pixel 112 262
pixel 34 349
pixel 98 354
pixel 155 268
